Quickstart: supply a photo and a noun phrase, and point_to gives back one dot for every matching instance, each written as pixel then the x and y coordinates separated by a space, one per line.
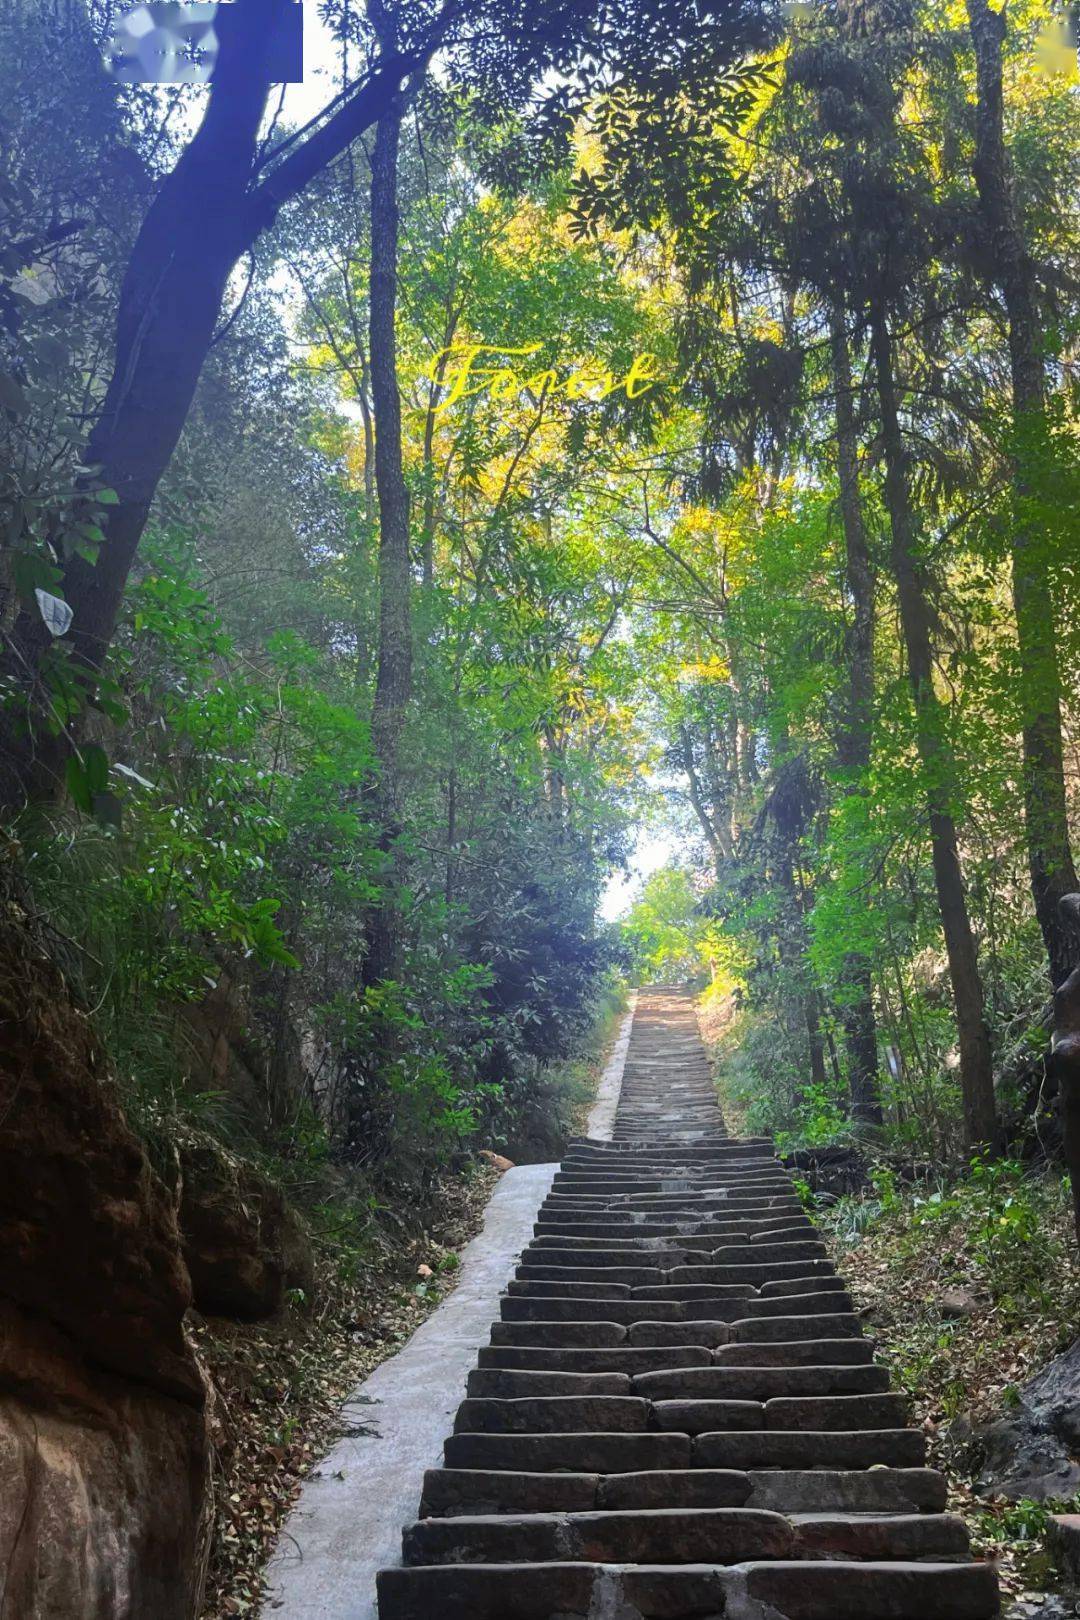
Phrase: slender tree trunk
pixel 1050 862
pixel 856 732
pixel 393 682
pixel 1065 1058
pixel 697 798
pixel 976 1063
pixel 815 1040
pixel 427 528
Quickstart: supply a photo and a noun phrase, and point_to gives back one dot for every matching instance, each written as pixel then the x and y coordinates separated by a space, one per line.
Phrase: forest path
pixel 347 1522
pixel 678 1415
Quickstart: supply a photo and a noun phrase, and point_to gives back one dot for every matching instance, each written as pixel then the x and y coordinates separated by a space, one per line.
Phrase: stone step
pixel 714 1185
pixel 643 1198
pixel 560 1335
pixel 750 1340
pixel 556 1308
pixel 822 1284
pixel 721 1204
pixel 814 1302
pixel 768 1228
pixel 509 1383
pixel 747 1227
pixel 543 1414
pixel 624 1358
pixel 610 1339
pixel 737 1310
pixel 758 1383
pixel 540 1413
pixel 681 1536
pixel 785 1412
pixel 730 1198
pixel 448 1492
pixel 782 1589
pixel 761 1275
pixel 798 1353
pixel 759 1147
pixel 566 1288
pixel 532 1271
pixel 736 1229
pixel 818 1490
pixel 718 1234
pixel 635 1277
pixel 817 1302
pixel 732 1149
pixel 566 1282
pixel 700 1246
pixel 605 1453
pixel 805 1448
pixel 759 1278
pixel 762 1329
pixel 691 1332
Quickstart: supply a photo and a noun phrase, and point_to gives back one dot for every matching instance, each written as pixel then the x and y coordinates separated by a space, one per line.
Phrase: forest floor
pixel 1003 1241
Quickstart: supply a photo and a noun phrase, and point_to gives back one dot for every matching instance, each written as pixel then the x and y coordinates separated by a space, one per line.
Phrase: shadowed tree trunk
pixel 976 1066
pixel 1065 1054
pixel 1050 861
pixel 393 684
pixel 856 732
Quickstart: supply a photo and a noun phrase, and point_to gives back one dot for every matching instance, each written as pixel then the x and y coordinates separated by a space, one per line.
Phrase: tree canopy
pixel 598 418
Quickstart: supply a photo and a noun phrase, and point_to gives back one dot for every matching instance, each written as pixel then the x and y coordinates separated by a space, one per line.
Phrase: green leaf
pixel 116 711
pixel 33 571
pixel 96 766
pixel 77 786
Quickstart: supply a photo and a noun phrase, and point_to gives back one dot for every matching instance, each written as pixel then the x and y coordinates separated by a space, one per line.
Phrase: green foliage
pixel 993 1225
pixel 664 928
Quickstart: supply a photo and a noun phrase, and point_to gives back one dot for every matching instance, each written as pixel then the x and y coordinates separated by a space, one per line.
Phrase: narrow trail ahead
pixel 677 1415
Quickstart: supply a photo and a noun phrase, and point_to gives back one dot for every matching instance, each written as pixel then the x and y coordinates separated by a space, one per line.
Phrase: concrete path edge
pixel 601 1122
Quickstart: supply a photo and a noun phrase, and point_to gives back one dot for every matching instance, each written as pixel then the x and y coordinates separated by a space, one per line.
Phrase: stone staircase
pixel 678 1415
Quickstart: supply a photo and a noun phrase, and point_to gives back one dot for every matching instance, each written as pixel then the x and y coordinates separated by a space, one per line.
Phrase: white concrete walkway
pixel 348 1521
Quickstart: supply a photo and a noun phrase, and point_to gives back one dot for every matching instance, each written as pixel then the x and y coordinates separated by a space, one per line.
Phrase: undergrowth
pixel 1000 1232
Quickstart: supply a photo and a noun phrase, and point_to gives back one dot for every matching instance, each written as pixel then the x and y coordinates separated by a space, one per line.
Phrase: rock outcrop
pixel 1035 1451
pixel 103 1410
pixel 243 1244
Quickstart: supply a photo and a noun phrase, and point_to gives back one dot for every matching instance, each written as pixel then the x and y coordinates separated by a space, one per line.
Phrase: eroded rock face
pixel 243 1244
pixel 1035 1451
pixel 103 1432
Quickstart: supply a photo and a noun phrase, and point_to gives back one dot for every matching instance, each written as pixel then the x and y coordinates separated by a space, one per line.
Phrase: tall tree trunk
pixel 1065 1056
pixel 976 1064
pixel 1050 861
pixel 393 682
pixel 856 731
pixel 712 832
